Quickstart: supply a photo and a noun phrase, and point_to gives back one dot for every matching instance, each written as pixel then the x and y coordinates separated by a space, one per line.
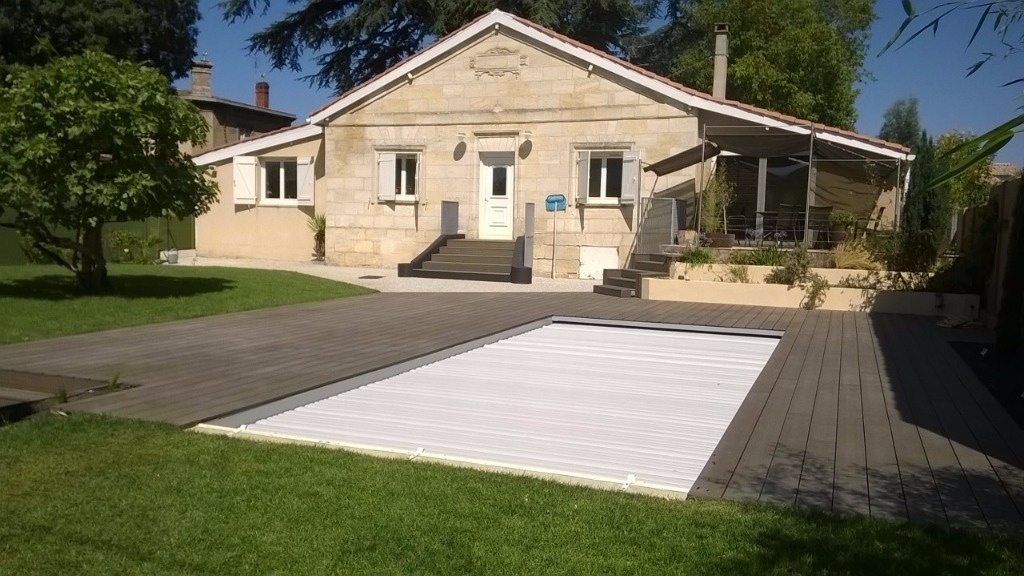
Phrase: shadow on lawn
pixel 57 287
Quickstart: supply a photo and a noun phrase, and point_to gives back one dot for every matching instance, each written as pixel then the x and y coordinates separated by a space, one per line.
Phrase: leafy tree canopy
pixel 971 187
pixel 357 39
pixel 89 140
pixel 901 123
pixel 1004 19
pixel 159 33
pixel 799 57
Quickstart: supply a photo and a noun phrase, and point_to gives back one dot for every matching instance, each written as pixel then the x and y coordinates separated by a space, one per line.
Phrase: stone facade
pixel 498 93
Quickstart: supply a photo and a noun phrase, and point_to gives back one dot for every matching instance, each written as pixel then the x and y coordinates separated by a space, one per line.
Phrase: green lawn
pixel 44 301
pixel 92 495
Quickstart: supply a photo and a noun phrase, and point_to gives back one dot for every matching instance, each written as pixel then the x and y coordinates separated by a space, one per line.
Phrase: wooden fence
pixel 180 234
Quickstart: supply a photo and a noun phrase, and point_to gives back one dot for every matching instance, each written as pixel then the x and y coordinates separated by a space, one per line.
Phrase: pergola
pixel 838 177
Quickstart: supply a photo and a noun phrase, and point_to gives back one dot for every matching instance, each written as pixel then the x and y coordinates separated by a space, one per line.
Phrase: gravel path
pixel 387 280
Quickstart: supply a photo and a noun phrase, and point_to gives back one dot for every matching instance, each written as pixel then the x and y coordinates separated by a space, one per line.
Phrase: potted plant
pixel 716 198
pixel 842 222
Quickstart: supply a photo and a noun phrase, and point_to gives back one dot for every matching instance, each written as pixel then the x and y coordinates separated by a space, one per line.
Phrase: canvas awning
pixel 684 159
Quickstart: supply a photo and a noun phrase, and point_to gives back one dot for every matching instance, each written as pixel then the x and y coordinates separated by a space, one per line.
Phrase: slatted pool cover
pixel 593 402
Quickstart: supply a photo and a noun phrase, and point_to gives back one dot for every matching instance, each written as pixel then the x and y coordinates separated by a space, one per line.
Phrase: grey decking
pixel 853 413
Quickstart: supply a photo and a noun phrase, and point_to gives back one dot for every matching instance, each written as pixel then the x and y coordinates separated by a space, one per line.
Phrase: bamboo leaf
pixel 998 131
pixel 989 149
pixel 934 25
pixel 908 7
pixel 981 22
pixel 1012 82
pixel 897 35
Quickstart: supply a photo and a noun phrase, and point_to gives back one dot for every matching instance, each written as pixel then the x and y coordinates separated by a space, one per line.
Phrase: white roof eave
pixel 258 144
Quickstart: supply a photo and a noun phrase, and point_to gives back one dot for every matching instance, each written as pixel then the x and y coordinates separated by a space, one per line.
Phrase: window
pixel 280 179
pixel 405 175
pixel 607 177
pixel 398 175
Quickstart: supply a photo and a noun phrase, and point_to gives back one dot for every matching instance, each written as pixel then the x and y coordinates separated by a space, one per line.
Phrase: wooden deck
pixel 870 414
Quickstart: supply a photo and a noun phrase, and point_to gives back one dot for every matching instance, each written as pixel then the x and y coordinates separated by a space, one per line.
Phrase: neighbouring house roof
pixel 187 95
pixel 1003 171
pixel 271 139
pixel 585 56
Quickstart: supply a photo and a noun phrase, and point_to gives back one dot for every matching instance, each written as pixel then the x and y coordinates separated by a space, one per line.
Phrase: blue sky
pixel 933 69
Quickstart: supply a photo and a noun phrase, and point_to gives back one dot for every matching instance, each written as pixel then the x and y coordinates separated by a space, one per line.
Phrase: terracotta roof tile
pixel 249 139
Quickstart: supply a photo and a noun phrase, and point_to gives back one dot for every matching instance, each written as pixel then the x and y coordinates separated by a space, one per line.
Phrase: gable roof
pixel 278 137
pixel 498 21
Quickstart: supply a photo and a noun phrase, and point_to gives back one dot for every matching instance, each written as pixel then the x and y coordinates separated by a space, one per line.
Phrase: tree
pixel 971 187
pixel 1006 18
pixel 901 123
pixel 159 33
pixel 798 57
pixel 90 140
pixel 358 39
pixel 925 217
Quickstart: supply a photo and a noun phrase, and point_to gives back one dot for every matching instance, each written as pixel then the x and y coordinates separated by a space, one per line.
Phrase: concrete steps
pixel 463 259
pixel 628 282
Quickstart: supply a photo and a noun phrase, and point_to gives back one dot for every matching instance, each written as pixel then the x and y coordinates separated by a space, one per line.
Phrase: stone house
pixel 495 117
pixel 230 120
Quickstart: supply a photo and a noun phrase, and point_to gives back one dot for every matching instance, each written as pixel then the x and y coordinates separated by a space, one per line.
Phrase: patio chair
pixel 737 225
pixel 787 222
pixel 820 225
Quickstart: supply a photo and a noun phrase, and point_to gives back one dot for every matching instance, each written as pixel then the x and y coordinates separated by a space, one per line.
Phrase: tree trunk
pixel 92 275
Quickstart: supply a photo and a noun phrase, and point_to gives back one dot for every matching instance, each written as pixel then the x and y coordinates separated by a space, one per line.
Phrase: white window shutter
pixel 305 178
pixel 244 179
pixel 419 163
pixel 582 177
pixel 386 177
pixel 630 178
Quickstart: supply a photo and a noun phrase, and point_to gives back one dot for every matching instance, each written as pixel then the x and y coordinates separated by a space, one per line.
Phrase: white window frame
pixel 401 186
pixel 630 163
pixel 282 201
pixel 393 176
pixel 304 177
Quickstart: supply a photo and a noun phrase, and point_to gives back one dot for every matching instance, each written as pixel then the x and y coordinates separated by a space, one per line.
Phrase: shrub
pixel 130 248
pixel 903 251
pixel 697 256
pixel 739 257
pixel 767 256
pixel 738 274
pixel 853 255
pixel 35 255
pixel 796 268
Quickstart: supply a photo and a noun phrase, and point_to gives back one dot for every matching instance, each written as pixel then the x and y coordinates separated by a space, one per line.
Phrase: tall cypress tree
pixel 925 221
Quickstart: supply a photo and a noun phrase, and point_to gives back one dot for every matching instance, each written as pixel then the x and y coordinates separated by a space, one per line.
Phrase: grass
pixel 44 301
pixel 96 495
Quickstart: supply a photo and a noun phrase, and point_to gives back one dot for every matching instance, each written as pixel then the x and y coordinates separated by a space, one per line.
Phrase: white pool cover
pixel 606 404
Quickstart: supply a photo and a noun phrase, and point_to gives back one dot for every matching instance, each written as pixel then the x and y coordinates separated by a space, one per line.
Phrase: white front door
pixel 497 194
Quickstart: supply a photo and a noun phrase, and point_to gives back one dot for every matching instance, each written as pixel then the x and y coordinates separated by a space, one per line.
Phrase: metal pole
pixel 554 219
pixel 807 196
pixel 700 201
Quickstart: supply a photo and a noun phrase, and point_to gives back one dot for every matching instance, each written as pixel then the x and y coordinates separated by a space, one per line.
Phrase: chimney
pixel 263 94
pixel 201 73
pixel 721 59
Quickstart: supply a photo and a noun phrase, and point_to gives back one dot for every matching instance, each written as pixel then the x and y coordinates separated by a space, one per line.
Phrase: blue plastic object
pixel 555 202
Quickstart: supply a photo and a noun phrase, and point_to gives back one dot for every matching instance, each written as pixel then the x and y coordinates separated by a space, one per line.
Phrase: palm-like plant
pixel 317 224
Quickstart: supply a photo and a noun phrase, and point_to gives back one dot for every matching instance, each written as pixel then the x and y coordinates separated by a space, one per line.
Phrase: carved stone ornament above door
pixel 497 62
